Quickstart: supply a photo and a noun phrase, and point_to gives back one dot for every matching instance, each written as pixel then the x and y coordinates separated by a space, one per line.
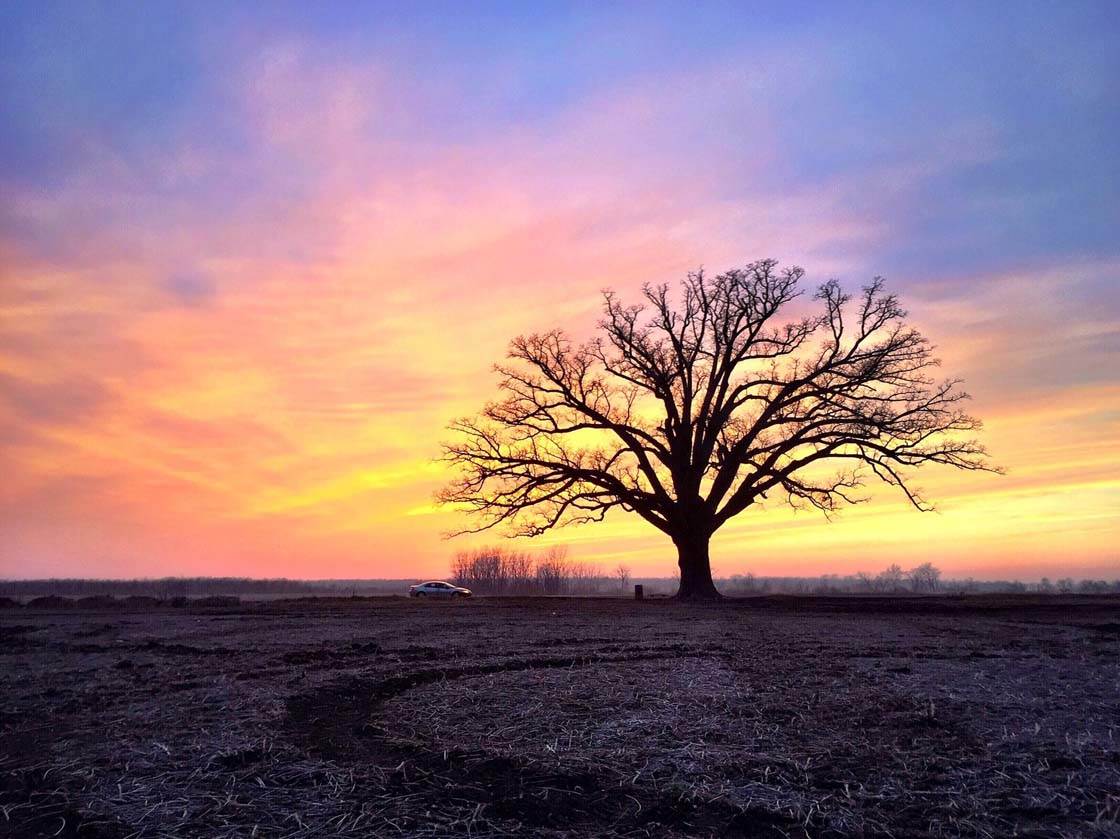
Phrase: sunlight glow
pixel 234 333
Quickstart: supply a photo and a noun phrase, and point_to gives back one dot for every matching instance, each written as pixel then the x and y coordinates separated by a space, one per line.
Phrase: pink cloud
pixel 362 272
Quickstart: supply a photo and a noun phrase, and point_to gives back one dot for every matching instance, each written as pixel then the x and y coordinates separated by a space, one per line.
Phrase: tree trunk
pixel 696 568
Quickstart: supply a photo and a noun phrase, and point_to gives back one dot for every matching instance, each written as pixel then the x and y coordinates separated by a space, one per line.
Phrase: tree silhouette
pixel 890 579
pixel 925 577
pixel 691 408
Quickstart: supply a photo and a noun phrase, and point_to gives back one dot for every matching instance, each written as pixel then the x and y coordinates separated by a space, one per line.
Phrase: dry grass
pixel 560 718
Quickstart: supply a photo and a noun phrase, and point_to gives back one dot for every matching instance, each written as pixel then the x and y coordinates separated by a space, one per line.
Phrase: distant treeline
pixel 501 571
pixel 166 588
pixel 922 579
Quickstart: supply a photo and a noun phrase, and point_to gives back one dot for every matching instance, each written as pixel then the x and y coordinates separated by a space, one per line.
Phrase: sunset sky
pixel 252 262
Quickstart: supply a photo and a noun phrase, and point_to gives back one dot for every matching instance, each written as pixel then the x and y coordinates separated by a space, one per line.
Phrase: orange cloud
pixel 198 386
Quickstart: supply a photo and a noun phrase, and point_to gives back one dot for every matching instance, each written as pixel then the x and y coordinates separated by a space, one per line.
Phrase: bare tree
pixel 622 574
pixel 925 578
pixel 552 571
pixel 890 579
pixel 689 409
pixel 519 570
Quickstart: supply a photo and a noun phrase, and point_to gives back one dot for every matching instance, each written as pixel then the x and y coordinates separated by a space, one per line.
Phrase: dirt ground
pixel 980 716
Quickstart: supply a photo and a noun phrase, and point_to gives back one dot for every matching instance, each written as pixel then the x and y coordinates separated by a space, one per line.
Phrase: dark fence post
pixel 638 592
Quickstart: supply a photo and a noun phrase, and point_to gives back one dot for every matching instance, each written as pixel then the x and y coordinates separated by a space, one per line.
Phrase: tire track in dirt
pixel 339 722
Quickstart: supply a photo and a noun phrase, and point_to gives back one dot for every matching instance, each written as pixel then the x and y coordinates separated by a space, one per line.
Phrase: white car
pixel 437 588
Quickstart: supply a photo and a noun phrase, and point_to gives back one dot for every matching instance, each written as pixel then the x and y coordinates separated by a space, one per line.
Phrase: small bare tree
pixel 622 574
pixel 553 570
pixel 519 571
pixel 890 579
pixel 925 578
pixel 692 408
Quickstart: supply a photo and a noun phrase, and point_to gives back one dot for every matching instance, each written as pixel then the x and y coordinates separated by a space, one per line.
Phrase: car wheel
pixel 421 594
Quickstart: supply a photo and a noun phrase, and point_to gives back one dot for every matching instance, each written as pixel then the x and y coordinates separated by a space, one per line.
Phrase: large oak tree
pixel 703 401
